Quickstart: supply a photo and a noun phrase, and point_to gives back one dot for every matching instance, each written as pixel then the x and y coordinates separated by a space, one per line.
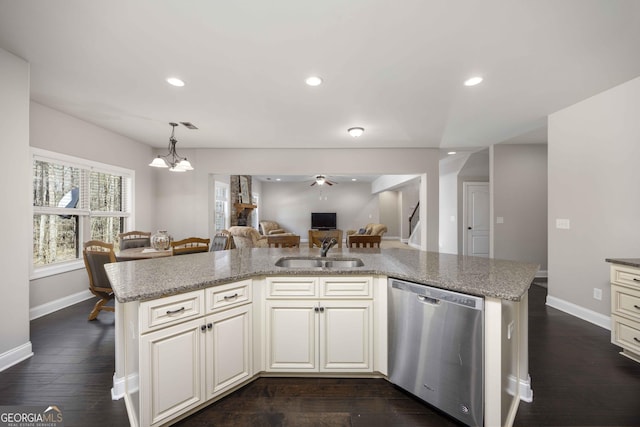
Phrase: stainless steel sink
pixel 316 262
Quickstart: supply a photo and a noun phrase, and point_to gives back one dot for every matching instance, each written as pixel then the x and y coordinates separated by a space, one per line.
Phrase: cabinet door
pixel 346 343
pixel 171 371
pixel 228 354
pixel 291 342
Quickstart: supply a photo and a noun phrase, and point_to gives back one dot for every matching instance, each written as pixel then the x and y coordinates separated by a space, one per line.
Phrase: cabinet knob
pixel 203 328
pixel 316 309
pixel 209 325
pixel 321 309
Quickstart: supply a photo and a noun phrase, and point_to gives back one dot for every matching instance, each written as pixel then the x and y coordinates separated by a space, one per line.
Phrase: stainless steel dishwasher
pixel 436 348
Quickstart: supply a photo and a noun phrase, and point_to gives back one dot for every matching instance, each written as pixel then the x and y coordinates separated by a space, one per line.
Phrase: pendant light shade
pixel 172 160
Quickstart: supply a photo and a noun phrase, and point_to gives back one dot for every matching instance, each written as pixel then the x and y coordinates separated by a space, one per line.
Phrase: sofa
pixel 247 237
pixel 371 229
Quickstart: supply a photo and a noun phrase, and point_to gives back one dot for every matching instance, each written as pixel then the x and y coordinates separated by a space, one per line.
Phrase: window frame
pixel 83 211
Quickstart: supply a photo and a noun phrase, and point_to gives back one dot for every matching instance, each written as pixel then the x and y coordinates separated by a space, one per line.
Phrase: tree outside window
pixel 75 202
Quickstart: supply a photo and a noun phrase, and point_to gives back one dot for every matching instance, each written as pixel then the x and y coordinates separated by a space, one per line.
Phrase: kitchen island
pixel 191 329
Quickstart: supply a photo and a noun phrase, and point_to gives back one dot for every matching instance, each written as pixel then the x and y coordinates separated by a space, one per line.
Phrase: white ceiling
pixel 393 67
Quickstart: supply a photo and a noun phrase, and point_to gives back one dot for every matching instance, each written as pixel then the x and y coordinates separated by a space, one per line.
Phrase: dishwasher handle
pixel 428 300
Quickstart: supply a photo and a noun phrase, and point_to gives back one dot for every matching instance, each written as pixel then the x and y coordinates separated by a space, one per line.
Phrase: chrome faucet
pixel 326 245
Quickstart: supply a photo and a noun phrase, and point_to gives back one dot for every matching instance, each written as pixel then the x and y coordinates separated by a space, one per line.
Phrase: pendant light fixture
pixel 172 160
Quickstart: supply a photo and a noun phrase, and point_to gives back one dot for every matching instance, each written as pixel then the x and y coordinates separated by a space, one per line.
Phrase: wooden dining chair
pixel 134 239
pixel 279 241
pixel 221 241
pixel 96 254
pixel 364 241
pixel 190 245
pixel 317 236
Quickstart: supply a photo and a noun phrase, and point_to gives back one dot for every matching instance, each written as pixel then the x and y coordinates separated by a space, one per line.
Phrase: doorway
pixel 476 220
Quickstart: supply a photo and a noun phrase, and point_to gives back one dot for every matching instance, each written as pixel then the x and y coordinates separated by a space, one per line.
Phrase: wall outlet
pixel 562 223
pixel 597 294
pixel 500 220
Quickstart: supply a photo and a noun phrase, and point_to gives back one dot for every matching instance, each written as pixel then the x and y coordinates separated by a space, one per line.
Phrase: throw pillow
pixel 362 231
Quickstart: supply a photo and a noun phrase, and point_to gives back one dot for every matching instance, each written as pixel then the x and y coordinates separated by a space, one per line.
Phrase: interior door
pixel 477 219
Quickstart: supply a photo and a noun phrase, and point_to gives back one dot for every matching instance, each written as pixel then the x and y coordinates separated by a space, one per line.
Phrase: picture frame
pixel 245 197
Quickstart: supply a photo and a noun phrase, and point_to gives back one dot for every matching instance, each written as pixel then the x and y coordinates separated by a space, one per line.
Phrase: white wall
pixel 16 217
pixel 291 204
pixel 58 132
pixel 449 169
pixel 594 149
pixel 183 198
pixel 519 177
pixel 388 202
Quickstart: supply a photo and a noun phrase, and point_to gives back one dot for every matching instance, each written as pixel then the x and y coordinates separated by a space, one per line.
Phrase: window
pixel 222 206
pixel 75 200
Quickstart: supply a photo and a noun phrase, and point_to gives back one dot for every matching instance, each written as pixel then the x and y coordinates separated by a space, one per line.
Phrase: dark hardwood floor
pixel 579 379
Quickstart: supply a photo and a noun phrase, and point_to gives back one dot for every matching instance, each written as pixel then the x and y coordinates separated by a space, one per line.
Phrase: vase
pixel 161 241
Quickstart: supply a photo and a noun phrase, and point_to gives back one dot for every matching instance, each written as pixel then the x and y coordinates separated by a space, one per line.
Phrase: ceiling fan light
pixel 355 132
pixel 321 180
pixel 158 162
pixel 177 168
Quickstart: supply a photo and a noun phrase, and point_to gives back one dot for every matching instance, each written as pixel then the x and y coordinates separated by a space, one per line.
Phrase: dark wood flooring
pixel 579 379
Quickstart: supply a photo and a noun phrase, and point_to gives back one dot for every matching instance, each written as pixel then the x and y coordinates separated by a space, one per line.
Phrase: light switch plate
pixel 563 223
pixel 500 220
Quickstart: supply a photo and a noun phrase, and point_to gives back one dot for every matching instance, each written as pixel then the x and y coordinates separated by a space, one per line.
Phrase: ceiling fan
pixel 321 180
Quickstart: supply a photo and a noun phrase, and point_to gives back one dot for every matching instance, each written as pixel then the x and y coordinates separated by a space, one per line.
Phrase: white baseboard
pixel 15 355
pixel 118 391
pixel 580 312
pixel 542 273
pixel 59 304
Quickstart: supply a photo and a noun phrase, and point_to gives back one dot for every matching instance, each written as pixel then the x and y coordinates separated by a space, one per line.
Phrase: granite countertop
pixel 632 262
pixel 153 278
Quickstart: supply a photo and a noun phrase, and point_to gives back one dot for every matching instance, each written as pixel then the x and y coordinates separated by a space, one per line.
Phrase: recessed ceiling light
pixel 473 81
pixel 451 152
pixel 313 81
pixel 174 81
pixel 354 179
pixel 355 132
pixel 278 179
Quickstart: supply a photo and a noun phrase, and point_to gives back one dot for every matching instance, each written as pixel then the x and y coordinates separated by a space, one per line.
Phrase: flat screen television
pixel 323 220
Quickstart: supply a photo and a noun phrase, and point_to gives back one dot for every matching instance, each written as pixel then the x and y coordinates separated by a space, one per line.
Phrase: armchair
pixel 247 237
pixel 270 227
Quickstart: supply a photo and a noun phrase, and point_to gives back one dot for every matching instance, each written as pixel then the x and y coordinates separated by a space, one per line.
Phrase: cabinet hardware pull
pixel 209 325
pixel 203 328
pixel 228 297
pixel 636 306
pixel 175 311
pixel 316 309
pixel 636 339
pixel 321 309
pixel 635 279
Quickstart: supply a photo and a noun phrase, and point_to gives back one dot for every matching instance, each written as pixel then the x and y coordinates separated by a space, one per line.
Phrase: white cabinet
pixel 319 324
pixel 171 372
pixel 625 310
pixel 185 361
pixel 228 349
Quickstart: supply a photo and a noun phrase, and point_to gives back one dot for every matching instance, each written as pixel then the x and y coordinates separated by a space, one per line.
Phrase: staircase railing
pixel 414 218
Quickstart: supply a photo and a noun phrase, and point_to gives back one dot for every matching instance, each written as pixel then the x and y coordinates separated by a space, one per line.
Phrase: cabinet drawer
pixel 292 287
pixel 625 276
pixel 625 302
pixel 171 310
pixel 626 333
pixel 229 295
pixel 346 287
